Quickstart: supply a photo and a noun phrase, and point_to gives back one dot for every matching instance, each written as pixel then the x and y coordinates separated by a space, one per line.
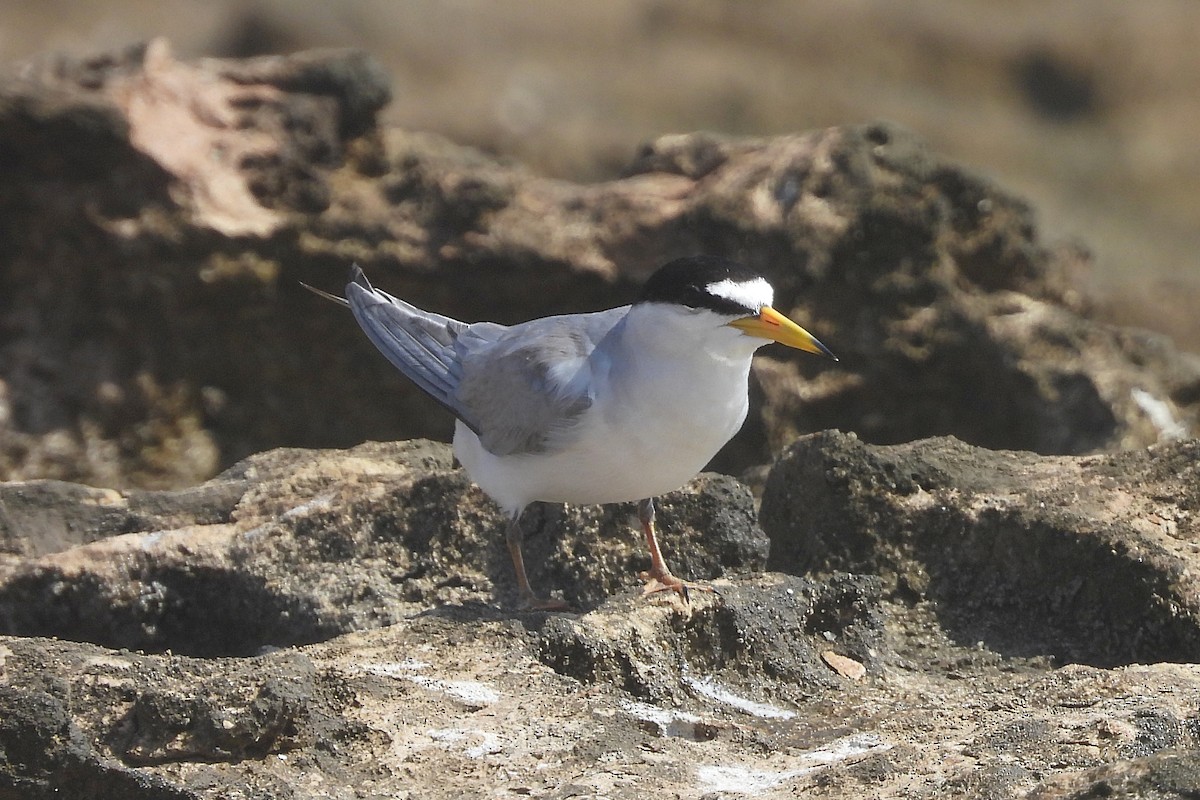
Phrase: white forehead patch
pixel 753 294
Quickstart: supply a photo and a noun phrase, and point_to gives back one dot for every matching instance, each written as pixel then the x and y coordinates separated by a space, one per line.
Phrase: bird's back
pixel 528 385
pixel 520 389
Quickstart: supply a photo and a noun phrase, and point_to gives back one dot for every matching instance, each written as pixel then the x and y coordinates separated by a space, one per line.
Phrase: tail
pixel 418 343
pixel 341 301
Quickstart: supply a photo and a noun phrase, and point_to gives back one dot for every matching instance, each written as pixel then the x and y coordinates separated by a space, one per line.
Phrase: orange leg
pixel 529 601
pixel 659 577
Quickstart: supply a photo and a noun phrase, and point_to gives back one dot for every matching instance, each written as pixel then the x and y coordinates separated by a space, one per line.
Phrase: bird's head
pixel 736 295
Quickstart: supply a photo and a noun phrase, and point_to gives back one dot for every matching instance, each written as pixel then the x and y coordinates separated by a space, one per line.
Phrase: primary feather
pixel 420 344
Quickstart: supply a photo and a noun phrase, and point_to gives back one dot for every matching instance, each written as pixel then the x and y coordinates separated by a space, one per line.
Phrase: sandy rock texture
pixel 1085 559
pixel 1088 108
pixel 160 215
pixel 337 624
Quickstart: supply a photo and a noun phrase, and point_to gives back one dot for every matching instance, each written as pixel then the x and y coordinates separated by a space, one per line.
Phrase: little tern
pixel 607 407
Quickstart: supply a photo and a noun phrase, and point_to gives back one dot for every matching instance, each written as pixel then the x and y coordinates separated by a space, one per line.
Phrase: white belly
pixel 627 447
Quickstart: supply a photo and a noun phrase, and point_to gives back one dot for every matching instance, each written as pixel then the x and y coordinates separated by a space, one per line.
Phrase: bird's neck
pixel 710 364
pixel 700 343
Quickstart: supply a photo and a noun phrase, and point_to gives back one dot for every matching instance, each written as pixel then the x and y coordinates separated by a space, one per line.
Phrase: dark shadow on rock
pixel 67 734
pixel 47 756
pixel 214 724
pixel 1170 774
pixel 1055 88
pixel 198 611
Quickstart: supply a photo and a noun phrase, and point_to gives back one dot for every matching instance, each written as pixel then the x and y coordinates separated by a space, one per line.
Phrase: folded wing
pixel 521 389
pixel 530 386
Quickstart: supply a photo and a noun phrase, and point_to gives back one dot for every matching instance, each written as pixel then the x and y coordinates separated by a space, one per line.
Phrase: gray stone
pixel 296 546
pixel 346 619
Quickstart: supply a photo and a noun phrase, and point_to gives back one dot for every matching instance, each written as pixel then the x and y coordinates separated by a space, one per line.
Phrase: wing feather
pixel 530 385
pixel 418 343
pixel 521 389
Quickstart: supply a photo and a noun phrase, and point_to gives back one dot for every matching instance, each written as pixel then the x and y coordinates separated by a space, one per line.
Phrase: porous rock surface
pixel 340 624
pixel 160 214
pixel 294 546
pixel 1086 559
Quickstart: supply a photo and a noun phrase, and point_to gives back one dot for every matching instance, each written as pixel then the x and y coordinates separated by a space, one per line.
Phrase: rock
pixel 1172 775
pixel 145 165
pixel 753 638
pixel 940 619
pixel 157 331
pixel 295 546
pixel 395 710
pixel 1087 559
pixel 90 717
pixel 46 755
pixel 339 620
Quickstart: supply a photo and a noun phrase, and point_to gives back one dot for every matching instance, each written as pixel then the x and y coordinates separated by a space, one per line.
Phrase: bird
pixel 611 406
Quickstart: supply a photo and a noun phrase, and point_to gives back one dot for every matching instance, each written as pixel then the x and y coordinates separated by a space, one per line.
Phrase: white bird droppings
pixel 472 693
pixel 746 781
pixel 713 691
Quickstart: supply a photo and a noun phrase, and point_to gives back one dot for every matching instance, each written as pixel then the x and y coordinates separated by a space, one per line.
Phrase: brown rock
pixel 843 665
pixel 297 546
pixel 156 330
pixel 389 565
pixel 1087 559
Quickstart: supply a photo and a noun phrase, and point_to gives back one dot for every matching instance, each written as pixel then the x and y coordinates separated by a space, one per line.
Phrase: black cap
pixel 684 281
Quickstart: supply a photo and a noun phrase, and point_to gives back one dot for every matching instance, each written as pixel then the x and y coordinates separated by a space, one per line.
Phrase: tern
pixel 606 407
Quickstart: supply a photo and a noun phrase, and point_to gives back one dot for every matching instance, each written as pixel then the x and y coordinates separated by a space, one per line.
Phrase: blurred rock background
pixel 1086 107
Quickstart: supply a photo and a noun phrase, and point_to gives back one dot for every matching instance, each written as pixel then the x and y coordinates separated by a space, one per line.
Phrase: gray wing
pixel 420 344
pixel 527 386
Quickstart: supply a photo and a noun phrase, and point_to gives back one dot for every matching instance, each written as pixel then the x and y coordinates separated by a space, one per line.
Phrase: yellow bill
pixel 770 324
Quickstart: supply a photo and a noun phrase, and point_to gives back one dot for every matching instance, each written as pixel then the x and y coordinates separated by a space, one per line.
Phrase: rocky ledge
pixel 937 620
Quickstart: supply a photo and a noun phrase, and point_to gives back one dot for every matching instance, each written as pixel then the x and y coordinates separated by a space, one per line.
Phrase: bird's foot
pixel 666 582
